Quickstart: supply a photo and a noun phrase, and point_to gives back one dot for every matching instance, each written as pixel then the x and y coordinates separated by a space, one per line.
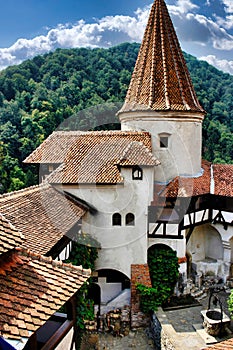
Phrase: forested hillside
pixel 39 94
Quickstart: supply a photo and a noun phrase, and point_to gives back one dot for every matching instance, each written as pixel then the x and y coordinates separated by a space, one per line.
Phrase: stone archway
pixel 206 250
pixel 115 289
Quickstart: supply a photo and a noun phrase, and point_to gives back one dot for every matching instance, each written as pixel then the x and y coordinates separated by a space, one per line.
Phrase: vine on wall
pixel 164 272
pixel 84 252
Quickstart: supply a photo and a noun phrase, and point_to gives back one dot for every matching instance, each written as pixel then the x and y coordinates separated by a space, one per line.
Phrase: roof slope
pixel 216 179
pixel 223 179
pixel 32 288
pixel 10 237
pixel 188 187
pixel 161 80
pixel 42 214
pixel 55 148
pixel 93 157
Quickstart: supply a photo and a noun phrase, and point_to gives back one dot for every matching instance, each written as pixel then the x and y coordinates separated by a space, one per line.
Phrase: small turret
pixel 161 99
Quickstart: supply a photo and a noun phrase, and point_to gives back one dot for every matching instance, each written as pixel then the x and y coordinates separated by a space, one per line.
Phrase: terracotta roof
pixel 161 80
pixel 42 214
pixel 56 147
pixel 137 154
pixel 32 288
pixel 223 345
pixel 223 179
pixel 94 157
pixel 10 237
pixel 188 187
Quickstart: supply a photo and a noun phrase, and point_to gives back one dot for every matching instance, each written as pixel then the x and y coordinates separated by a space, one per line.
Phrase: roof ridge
pixel 30 189
pixel 38 148
pixel 99 132
pixel 142 146
pixel 55 263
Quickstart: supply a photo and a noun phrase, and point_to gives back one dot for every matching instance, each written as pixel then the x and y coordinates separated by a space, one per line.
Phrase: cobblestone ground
pixel 135 340
pixel 183 320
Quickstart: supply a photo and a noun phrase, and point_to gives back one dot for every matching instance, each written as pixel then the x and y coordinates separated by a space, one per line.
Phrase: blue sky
pixel 32 27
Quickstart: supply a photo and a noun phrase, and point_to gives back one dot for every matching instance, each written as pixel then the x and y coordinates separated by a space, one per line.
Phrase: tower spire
pixel 161 80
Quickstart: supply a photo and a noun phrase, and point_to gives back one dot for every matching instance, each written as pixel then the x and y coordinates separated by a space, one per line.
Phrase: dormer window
pixel 163 140
pixel 137 173
pixel 116 219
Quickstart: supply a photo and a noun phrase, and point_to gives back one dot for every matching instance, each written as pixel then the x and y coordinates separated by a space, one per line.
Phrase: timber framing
pixel 187 214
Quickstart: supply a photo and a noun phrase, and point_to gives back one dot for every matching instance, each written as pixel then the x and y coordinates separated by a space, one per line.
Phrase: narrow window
pixel 116 219
pixel 137 173
pixel 129 219
pixel 163 141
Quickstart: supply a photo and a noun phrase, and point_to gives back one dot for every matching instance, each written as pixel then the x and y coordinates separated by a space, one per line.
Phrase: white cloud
pixel 112 30
pixel 224 65
pixel 228 5
pixel 107 31
pixel 200 29
pixel 226 22
pixel 183 6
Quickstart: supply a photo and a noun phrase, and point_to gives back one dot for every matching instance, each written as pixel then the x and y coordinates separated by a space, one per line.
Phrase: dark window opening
pixel 137 173
pixel 130 219
pixel 116 219
pixel 163 141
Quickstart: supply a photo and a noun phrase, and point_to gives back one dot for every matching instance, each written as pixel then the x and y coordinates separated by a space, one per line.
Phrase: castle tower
pixel 161 99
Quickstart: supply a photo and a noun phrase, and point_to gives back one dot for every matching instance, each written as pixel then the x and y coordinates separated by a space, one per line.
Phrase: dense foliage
pixel 163 278
pixel 230 304
pixel 84 252
pixel 39 94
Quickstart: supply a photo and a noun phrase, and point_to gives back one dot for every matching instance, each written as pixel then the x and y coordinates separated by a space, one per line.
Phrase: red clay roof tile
pixel 161 80
pixel 10 236
pixel 188 187
pixel 42 214
pixel 94 156
pixel 28 315
pixel 223 179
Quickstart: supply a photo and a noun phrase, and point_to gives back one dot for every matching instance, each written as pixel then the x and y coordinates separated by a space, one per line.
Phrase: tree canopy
pixel 39 94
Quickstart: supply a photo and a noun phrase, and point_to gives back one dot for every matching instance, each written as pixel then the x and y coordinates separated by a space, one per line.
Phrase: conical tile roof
pixel 161 80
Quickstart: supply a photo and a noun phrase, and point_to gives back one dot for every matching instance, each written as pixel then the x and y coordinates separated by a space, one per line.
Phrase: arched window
pixel 116 219
pixel 137 173
pixel 130 219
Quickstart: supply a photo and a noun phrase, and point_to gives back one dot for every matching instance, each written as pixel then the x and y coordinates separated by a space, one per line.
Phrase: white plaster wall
pixel 205 242
pixel 108 290
pixel 183 156
pixel 123 245
pixel 178 245
pixel 66 342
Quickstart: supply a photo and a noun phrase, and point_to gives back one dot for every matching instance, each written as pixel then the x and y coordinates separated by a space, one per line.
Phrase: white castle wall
pixel 123 245
pixel 183 155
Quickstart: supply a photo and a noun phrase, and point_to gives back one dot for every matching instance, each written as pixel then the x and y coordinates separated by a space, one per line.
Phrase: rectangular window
pixel 163 142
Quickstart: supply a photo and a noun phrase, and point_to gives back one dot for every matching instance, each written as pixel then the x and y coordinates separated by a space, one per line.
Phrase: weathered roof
pixel 94 157
pixel 10 237
pixel 188 187
pixel 137 154
pixel 42 214
pixel 216 179
pixel 161 80
pixel 56 147
pixel 32 288
pixel 223 345
pixel 223 179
